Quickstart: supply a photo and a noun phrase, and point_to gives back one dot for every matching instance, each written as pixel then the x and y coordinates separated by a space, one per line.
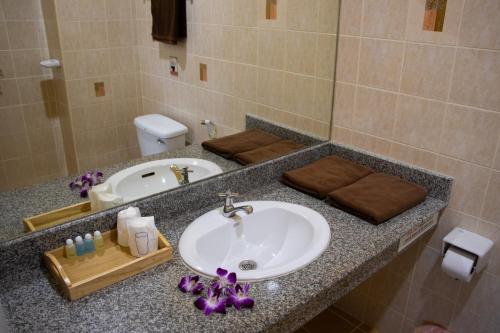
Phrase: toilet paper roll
pixel 458 264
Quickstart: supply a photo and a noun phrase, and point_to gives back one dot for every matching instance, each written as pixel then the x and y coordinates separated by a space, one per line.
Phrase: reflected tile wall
pixel 430 99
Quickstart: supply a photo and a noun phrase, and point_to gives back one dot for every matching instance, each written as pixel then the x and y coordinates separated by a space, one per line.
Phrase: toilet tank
pixel 157 134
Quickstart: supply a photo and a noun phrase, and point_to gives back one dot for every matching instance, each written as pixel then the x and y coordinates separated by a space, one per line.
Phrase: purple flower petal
pixel 238 297
pixel 212 303
pixel 231 278
pixel 221 272
pixel 190 284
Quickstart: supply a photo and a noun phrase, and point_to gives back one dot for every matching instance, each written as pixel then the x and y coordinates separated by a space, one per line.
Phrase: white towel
pixel 108 200
pixel 94 192
pixel 124 217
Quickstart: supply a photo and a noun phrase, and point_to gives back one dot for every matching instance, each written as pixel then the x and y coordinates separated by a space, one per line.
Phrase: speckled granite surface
pixel 28 201
pixel 151 302
pixel 40 198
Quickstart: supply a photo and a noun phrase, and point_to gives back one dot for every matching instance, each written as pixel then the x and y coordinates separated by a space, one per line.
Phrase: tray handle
pixel 57 269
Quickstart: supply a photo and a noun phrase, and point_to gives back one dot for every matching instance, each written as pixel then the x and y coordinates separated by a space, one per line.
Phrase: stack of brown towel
pixel 231 145
pixel 251 146
pixel 378 197
pixel 267 152
pixel 374 197
pixel 169 20
pixel 325 175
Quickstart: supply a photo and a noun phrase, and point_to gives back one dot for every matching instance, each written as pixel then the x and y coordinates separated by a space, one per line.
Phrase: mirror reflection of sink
pixel 153 177
pixel 276 239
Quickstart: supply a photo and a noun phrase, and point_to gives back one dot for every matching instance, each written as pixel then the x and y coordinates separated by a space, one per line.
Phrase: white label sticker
pixel 413 234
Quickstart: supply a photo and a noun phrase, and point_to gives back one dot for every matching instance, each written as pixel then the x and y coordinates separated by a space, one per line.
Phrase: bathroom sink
pixel 153 177
pixel 276 239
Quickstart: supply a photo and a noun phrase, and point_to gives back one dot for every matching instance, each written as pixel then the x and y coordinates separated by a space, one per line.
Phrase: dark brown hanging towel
pixel 169 20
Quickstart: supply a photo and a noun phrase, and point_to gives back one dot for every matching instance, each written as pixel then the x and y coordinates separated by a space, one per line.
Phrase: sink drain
pixel 247 265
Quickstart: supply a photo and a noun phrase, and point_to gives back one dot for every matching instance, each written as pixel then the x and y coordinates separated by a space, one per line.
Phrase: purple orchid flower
pixel 212 303
pixel 239 297
pixel 86 181
pixel 190 284
pixel 225 279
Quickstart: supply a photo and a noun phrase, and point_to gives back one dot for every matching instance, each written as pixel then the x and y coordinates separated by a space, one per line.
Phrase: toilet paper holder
pixel 477 246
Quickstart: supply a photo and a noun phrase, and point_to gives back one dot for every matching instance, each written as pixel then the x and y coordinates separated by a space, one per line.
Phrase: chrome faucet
pixel 229 210
pixel 182 175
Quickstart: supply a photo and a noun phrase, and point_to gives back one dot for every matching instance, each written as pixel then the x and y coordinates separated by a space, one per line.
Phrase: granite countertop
pixel 41 198
pixel 150 301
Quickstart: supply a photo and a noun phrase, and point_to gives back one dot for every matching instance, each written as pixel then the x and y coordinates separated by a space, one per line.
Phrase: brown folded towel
pixel 169 20
pixel 231 145
pixel 268 152
pixel 378 197
pixel 324 176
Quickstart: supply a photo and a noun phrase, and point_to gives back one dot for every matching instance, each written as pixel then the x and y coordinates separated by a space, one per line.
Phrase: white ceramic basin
pixel 278 237
pixel 153 177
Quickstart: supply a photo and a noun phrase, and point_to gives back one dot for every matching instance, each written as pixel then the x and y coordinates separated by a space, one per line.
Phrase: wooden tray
pixel 86 274
pixel 56 217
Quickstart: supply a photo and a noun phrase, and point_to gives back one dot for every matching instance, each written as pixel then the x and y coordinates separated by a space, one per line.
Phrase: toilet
pixel 158 134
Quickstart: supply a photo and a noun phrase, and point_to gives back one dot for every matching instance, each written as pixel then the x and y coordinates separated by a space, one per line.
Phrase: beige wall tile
pixel 299 93
pixel 17 170
pixel 476 79
pixel 470 134
pixel 385 18
pixel 344 104
pixel 496 164
pixel 93 33
pixel 23 34
pixel 6 65
pixel 70 35
pixel 223 42
pixel 419 122
pixel 480 26
pixel 118 9
pixel 424 305
pixel 41 140
pixel 223 12
pixel 46 166
pixel 384 56
pixel 491 231
pixel 491 208
pixel 302 17
pixel 36 89
pixel 92 9
pixel 347 62
pixel 322 109
pixel 385 319
pixel 371 143
pixel 21 10
pixel 325 54
pixel 374 112
pixel 328 16
pixel 39 115
pixel 11 120
pixel 481 296
pixel 10 95
pixel 97 63
pixel 421 158
pixel 449 220
pixel 245 13
pixel 14 146
pixel 272 48
pixel 301 52
pixel 270 88
pixel 245 82
pixel 427 71
pixel 4 40
pixel 245 45
pixel 449 35
pixel 469 186
pixel 350 17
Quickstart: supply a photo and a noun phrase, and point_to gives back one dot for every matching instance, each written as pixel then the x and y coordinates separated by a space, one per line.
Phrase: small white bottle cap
pixel 69 242
pixel 78 239
pixel 97 234
pixel 88 236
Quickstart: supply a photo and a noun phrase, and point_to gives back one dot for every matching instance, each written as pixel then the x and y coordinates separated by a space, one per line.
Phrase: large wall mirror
pixel 86 110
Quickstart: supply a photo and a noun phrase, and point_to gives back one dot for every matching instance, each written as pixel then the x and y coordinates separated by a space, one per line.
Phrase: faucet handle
pixel 228 194
pixel 186 169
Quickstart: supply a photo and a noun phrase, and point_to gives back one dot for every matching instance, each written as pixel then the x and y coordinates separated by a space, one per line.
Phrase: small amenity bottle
pixel 80 247
pixel 98 241
pixel 70 249
pixel 89 244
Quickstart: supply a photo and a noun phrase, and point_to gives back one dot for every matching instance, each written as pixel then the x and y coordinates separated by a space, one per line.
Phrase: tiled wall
pixel 280 69
pixel 430 99
pixel 98 44
pixel 31 148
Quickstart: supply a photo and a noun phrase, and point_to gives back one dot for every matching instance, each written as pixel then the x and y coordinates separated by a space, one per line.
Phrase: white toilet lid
pixel 160 126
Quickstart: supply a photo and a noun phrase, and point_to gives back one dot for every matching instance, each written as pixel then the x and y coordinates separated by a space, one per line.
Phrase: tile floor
pixel 335 321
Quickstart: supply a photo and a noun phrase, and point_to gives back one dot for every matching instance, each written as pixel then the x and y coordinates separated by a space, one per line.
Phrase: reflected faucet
pixel 182 175
pixel 229 210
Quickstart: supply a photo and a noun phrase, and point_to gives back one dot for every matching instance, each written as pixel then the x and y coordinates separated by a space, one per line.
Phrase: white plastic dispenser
pixel 158 134
pixel 465 253
pixel 124 217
